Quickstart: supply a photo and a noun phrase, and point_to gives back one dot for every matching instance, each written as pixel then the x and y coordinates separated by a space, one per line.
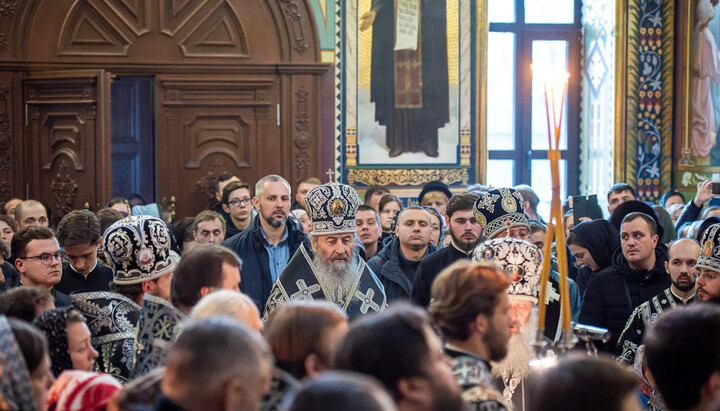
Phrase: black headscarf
pixel 635 206
pixel 600 238
pixel 53 324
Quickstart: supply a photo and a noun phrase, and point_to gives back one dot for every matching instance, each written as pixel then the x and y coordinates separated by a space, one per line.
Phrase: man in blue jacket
pixel 267 245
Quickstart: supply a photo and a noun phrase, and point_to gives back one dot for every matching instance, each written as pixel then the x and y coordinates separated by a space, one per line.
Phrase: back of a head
pixel 208 354
pixel 298 329
pixel 338 390
pixel 681 349
pixel 21 302
pixel 463 291
pixel 528 195
pixel 107 217
pixel 198 268
pixel 389 346
pixel 226 303
pixel 581 382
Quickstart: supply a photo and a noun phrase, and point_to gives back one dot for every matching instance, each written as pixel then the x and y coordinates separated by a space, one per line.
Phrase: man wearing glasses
pixel 237 203
pixel 39 260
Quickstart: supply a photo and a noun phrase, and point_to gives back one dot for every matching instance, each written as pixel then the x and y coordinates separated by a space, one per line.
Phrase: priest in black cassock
pixel 333 269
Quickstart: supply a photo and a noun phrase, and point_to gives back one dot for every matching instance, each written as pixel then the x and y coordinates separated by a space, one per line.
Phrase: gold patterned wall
pixel 365 41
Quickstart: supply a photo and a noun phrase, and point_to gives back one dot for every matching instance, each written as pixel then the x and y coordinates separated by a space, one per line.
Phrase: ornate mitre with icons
pixel 499 210
pixel 332 208
pixel 519 259
pixel 139 249
pixel 710 249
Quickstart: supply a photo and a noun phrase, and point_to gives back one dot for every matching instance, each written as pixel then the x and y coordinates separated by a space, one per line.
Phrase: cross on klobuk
pixel 367 300
pixel 331 175
pixel 304 292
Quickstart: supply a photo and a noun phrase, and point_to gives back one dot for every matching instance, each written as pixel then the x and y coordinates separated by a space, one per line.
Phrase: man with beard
pixel 332 270
pixel 683 256
pixel 267 245
pixel 465 232
pixel 500 214
pixel 397 263
pixel 637 274
pixel 400 349
pixel 708 282
pixel 471 308
pixel 521 261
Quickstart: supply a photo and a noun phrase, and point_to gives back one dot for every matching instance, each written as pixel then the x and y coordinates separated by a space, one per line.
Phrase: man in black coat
pixel 466 233
pixel 637 274
pixel 267 245
pixel 397 263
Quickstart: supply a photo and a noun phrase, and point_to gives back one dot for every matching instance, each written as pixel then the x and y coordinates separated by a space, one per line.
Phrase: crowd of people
pixel 323 301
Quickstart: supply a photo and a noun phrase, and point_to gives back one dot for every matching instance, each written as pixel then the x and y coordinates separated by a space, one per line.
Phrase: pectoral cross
pixel 367 300
pixel 552 294
pixel 331 175
pixel 304 292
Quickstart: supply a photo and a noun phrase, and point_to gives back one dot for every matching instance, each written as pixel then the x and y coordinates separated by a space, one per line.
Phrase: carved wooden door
pixel 209 125
pixel 67 139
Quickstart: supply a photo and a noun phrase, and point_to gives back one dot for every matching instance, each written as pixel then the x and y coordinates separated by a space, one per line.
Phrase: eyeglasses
pixel 238 202
pixel 47 258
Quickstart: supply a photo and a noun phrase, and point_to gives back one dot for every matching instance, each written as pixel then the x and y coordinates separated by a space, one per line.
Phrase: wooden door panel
pixel 207 127
pixel 67 139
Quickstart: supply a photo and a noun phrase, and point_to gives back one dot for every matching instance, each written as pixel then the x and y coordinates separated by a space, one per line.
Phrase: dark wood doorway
pixel 133 137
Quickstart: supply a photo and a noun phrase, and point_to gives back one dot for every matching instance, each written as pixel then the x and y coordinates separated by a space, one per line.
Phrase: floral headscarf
pixel 15 383
pixel 78 390
pixel 53 323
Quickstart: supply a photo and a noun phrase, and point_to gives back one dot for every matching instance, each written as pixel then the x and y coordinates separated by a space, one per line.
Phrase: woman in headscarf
pixel 592 243
pixel 25 376
pixel 69 339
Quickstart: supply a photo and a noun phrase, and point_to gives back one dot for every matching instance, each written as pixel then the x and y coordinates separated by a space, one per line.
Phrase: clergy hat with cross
pixel 332 208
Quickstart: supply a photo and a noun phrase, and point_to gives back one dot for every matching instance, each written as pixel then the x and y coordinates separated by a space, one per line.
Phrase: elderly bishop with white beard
pixel 333 269
pixel 522 263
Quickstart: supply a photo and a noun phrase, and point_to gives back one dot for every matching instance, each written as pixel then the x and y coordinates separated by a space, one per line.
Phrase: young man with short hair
pixel 369 230
pixel 209 227
pixel 237 206
pixel 466 233
pixel 637 274
pixel 79 235
pixel 304 186
pixel 618 194
pixel 39 261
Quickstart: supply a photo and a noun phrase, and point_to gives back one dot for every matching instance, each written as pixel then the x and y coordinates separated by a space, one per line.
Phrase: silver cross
pixel 331 175
pixel 552 294
pixel 367 300
pixel 304 292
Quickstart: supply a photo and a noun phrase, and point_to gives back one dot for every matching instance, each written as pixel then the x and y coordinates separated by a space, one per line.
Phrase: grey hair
pixel 270 178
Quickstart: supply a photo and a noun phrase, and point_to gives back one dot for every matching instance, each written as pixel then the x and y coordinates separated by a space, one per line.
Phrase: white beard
pixel 337 279
pixel 516 365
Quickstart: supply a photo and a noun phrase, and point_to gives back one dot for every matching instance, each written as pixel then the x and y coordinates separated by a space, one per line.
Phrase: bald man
pixel 680 266
pixel 31 212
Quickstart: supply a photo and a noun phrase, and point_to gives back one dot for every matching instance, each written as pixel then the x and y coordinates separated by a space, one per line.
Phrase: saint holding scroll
pixel 409 72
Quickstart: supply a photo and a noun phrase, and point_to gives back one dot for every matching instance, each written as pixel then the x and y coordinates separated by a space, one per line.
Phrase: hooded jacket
pixel 614 293
pixel 386 265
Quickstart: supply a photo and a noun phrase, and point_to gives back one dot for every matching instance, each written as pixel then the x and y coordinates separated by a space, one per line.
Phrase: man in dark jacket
pixel 267 245
pixel 637 274
pixel 466 233
pixel 398 262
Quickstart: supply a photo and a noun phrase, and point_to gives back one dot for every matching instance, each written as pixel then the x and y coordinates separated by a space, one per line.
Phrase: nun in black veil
pixel 592 243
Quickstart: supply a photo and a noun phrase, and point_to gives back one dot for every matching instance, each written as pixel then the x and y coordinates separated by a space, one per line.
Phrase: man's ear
pixel 711 388
pixel 255 202
pixel 205 291
pixel 314 365
pixel 480 324
pixel 234 397
pixel 667 267
pixel 148 287
pixel 415 391
pixel 20 265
